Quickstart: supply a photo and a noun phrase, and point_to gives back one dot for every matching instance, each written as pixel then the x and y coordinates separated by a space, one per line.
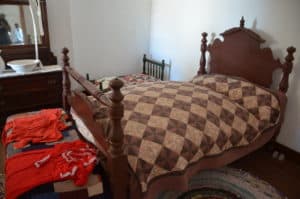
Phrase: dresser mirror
pixel 17 35
pixel 16 26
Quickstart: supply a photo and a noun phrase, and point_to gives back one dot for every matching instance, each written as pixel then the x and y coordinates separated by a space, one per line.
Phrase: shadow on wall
pixel 213 36
pixel 291 125
pixel 168 68
pixel 278 53
pixel 293 89
pixel 292 115
pixel 269 40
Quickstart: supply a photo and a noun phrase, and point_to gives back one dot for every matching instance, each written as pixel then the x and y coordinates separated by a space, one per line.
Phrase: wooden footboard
pixel 116 164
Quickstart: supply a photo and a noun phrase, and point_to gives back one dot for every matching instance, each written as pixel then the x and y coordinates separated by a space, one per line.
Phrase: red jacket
pixel 72 160
pixel 44 126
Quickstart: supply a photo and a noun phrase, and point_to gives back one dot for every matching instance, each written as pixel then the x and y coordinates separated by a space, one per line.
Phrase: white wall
pixel 59 22
pixel 176 28
pixel 110 36
pixel 106 37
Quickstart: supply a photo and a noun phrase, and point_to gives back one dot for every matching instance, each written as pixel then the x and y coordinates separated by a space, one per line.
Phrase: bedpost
pixel 117 163
pixel 202 69
pixel 242 22
pixel 287 69
pixel 144 63
pixel 66 80
pixel 163 65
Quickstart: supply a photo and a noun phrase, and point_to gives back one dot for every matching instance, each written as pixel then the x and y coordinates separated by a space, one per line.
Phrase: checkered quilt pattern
pixel 255 99
pixel 132 79
pixel 169 125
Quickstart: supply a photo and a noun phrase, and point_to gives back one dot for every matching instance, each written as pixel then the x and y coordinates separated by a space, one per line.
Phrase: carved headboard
pixel 240 55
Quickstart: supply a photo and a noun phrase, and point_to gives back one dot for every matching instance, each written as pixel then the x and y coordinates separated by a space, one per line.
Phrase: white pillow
pixel 85 132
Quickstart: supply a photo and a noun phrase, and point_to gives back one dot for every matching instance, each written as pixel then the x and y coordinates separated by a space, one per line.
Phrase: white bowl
pixel 23 65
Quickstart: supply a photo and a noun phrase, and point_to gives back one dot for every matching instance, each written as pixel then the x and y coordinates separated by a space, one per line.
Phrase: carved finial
pixel 66 58
pixel 287 69
pixel 116 85
pixel 204 34
pixel 289 59
pixel 242 22
pixel 291 50
pixel 203 57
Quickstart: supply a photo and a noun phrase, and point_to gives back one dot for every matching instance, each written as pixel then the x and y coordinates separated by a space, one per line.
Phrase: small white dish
pixel 23 65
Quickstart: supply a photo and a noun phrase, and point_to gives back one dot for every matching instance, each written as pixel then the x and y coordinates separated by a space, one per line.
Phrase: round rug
pixel 225 183
pixel 208 193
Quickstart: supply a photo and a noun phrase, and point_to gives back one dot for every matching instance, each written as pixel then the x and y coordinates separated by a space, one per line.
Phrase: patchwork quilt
pixel 131 79
pixel 169 125
pixel 66 189
pixel 137 78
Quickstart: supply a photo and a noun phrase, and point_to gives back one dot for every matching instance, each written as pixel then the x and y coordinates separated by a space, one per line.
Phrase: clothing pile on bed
pixel 170 125
pixel 46 159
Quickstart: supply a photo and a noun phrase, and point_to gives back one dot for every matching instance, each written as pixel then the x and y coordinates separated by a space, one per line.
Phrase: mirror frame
pixel 12 52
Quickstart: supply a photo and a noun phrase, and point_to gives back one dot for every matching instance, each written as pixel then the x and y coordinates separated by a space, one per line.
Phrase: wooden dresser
pixel 29 92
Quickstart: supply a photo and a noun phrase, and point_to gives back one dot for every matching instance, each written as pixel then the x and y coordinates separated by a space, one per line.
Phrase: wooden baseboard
pixel 290 154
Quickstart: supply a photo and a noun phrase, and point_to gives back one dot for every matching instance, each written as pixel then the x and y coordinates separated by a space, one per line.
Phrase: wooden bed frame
pixel 154 68
pixel 151 67
pixel 238 55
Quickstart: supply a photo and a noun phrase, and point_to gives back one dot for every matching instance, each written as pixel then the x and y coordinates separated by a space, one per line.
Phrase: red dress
pixel 44 126
pixel 71 160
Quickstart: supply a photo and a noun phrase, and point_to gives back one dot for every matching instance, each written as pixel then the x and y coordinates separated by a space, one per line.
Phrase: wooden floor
pixel 283 175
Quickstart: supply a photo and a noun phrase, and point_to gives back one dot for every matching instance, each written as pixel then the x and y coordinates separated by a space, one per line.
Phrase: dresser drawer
pixel 33 99
pixel 30 92
pixel 30 83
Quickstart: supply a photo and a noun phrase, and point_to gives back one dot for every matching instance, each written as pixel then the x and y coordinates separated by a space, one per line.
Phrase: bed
pixel 153 70
pixel 223 114
pixel 238 80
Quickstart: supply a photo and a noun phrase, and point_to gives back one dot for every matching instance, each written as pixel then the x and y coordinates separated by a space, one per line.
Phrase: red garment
pixel 66 161
pixel 44 126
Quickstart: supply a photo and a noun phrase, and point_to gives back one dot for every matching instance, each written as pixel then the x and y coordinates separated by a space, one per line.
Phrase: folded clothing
pixel 66 161
pixel 40 127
